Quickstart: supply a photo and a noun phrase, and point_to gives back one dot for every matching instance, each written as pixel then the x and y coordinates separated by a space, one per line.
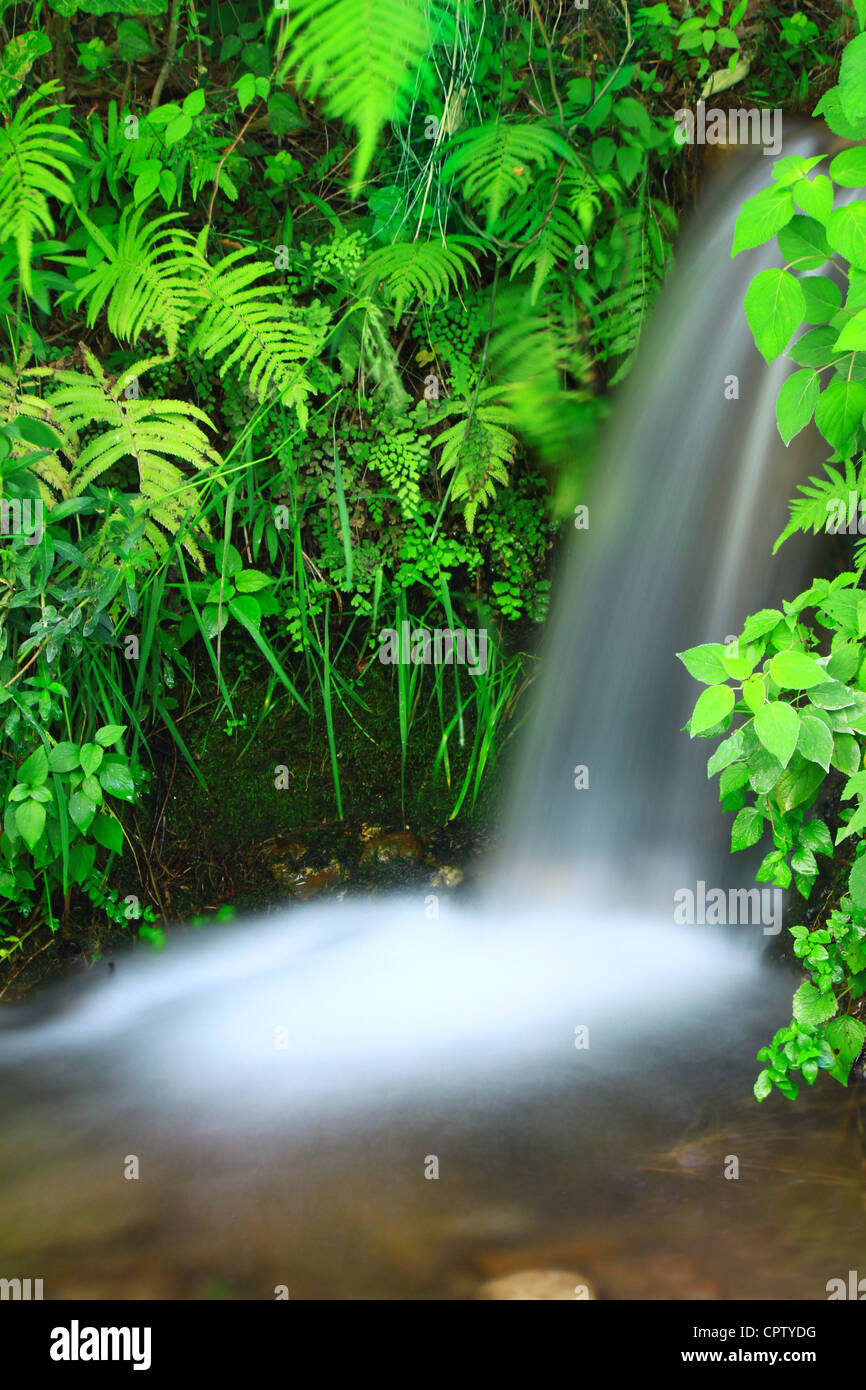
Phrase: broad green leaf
pixel 30 822
pixel 852 78
pixel 730 750
pixel 250 581
pixel 761 217
pixel 823 298
pixel 178 129
pixel 815 197
pixel 108 833
pixel 91 757
pixel 811 1007
pixel 747 829
pixel 857 883
pixel 839 413
pixel 846 233
pixel 713 705
pixel 774 306
pixel 848 169
pixel 81 810
pixel 777 725
pixel 793 670
pixel 133 41
pixel 116 779
pixel 764 1085
pixel 815 741
pixel 815 835
pixel 63 757
pixel 846 1036
pixel 34 770
pixel 764 771
pixel 803 243
pixel 754 692
pixel 795 404
pixel 846 753
pixel 109 734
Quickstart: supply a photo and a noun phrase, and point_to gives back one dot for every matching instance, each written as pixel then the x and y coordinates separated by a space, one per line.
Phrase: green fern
pixel 16 401
pixel 477 449
pixel 497 160
pixel 420 269
pixel 155 434
pixel 247 320
pixel 811 511
pixel 147 278
pixel 363 55
pixel 34 150
pixel 551 238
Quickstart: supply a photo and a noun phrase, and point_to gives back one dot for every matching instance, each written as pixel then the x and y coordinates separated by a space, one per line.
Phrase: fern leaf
pixel 818 499
pixel 499 159
pixel 33 167
pixel 155 434
pixel 477 449
pixel 363 55
pixel 420 269
pixel 248 321
pixel 16 402
pixel 147 279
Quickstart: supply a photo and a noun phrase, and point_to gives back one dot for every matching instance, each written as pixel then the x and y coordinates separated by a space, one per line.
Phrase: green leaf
pixel 764 771
pixel 63 757
pixel 729 751
pixel 81 810
pixel 747 829
pixel 705 663
pixel 713 705
pixel 804 244
pixel 846 753
pixel 839 413
pixel 774 306
pixel 846 1036
pixel 777 725
pixel 193 105
pixel 823 298
pixel 795 404
pixel 116 779
pixel 815 197
pixel 91 757
pixel 764 1085
pixel 34 770
pixel 108 833
pixel 853 335
pixel 846 233
pixel 852 78
pixel 848 169
pixel 178 129
pixel 793 670
pixel 246 90
pixel 109 734
pixel 246 610
pixel 857 883
pixel 133 41
pixel 815 836
pixel 30 822
pixel 811 1007
pixel 761 217
pixel 754 692
pixel 815 742
pixel 250 581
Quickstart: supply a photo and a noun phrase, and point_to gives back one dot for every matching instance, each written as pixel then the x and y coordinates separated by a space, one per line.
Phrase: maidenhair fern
pixel 34 155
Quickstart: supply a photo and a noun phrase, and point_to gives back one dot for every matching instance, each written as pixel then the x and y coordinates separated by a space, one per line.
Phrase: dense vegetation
pixel 310 313
pixel 794 682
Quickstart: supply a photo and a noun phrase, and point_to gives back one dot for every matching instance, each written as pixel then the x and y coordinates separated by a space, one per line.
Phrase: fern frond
pixel 33 167
pixel 552 238
pixel 154 434
pixel 818 500
pixel 247 320
pixel 17 401
pixel 363 55
pixel 147 278
pixel 499 159
pixel 478 449
pixel 420 269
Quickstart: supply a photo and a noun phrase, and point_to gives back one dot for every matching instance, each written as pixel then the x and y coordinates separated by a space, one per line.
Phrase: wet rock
pixel 533 1285
pixel 387 846
pixel 447 876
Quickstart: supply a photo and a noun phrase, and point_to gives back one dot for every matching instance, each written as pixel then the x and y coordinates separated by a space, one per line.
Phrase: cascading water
pixel 283 1086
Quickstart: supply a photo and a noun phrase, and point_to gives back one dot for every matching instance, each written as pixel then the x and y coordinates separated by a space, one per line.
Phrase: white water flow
pixel 281 1083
